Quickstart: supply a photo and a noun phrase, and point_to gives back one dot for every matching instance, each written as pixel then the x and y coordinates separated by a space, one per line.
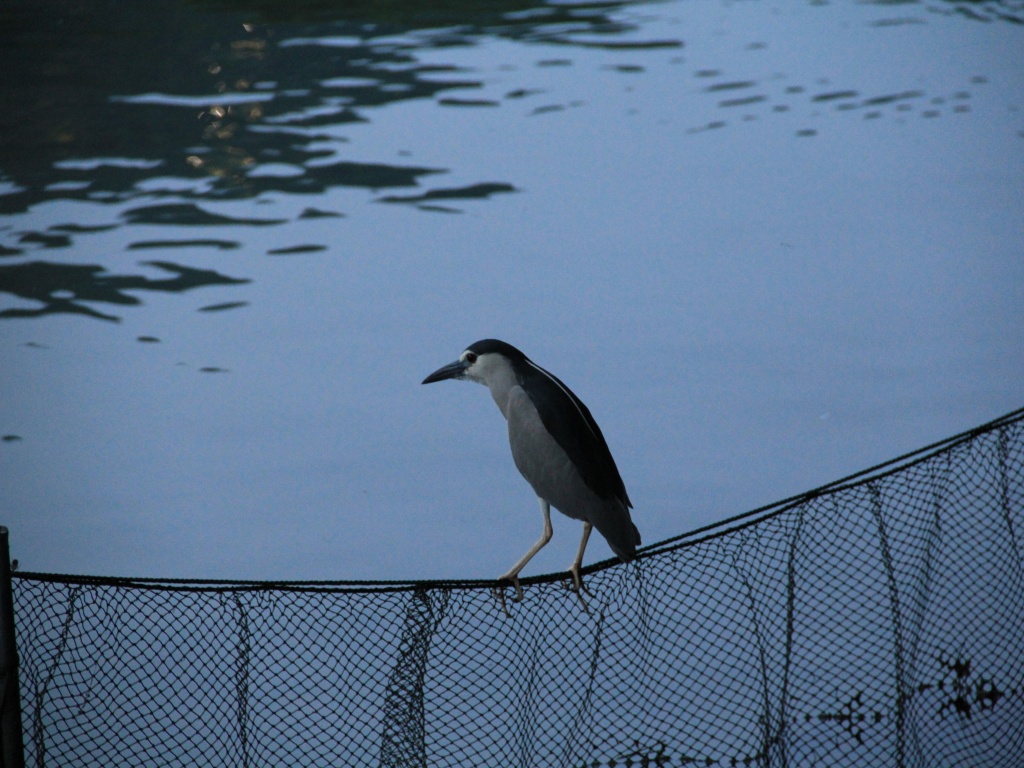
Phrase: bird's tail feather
pixel 621 534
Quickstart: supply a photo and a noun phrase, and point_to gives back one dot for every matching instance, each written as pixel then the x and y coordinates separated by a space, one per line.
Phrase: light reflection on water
pixel 766 227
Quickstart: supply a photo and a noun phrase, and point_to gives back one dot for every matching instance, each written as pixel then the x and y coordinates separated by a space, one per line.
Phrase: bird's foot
pixel 499 592
pixel 577 585
pixel 499 595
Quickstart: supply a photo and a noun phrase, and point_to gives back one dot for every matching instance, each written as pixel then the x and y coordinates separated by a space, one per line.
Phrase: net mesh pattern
pixel 875 622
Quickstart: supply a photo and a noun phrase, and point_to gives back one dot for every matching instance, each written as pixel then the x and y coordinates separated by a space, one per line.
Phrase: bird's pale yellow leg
pixel 574 569
pixel 513 572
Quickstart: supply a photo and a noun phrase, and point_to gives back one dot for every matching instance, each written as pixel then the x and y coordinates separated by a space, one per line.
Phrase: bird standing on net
pixel 558 448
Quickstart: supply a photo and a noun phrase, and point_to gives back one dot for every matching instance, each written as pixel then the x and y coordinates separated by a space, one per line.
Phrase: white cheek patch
pixel 478 369
pixel 492 370
pixel 473 371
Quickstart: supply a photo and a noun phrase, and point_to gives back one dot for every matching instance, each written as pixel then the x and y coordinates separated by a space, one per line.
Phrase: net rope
pixel 877 621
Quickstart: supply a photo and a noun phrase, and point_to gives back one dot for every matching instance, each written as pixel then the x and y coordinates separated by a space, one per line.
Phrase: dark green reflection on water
pixel 210 90
pixel 163 105
pixel 61 288
pixel 186 102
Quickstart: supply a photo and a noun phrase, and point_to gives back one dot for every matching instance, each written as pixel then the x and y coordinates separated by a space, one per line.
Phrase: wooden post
pixel 12 748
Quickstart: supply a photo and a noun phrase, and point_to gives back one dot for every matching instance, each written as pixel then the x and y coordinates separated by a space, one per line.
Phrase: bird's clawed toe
pixel 499 595
pixel 513 578
pixel 499 591
pixel 575 584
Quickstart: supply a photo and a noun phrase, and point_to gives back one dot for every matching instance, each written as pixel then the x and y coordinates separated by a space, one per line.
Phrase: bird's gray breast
pixel 543 462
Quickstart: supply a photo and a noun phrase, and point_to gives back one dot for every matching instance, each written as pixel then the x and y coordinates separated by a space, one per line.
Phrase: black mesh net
pixel 875 622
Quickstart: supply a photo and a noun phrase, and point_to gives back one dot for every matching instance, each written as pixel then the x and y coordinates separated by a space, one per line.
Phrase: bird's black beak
pixel 451 371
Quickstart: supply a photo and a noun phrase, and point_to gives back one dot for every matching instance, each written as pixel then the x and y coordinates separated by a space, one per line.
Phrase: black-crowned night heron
pixel 557 446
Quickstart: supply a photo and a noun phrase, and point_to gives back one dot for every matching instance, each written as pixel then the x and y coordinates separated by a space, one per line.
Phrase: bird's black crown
pixel 496 346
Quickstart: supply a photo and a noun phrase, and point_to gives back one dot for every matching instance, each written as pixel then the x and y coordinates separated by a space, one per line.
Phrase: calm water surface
pixel 768 243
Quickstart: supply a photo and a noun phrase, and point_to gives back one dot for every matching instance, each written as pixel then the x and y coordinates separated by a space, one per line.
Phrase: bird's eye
pixel 470 357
